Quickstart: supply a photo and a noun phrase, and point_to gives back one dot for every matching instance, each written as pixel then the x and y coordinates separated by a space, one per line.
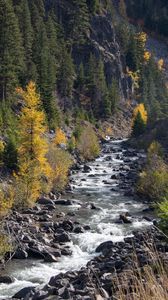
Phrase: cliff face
pixel 101 42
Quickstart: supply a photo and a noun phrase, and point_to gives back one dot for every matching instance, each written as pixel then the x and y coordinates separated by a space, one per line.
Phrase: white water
pixel 103 228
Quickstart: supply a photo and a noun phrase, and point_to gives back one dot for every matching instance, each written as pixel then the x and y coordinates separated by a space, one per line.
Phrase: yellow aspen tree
pixel 140 108
pixel 147 56
pixel 60 137
pixel 33 165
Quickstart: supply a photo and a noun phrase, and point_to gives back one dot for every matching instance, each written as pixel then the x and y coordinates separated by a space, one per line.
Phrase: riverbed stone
pixel 24 292
pixel 6 279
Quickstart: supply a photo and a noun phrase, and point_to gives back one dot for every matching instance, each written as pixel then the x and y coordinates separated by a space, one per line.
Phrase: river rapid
pixel 96 187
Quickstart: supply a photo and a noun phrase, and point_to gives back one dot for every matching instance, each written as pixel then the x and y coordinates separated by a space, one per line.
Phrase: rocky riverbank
pixel 95 281
pixel 45 232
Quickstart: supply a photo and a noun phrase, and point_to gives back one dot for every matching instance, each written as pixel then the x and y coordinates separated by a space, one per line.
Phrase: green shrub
pixel 153 182
pixel 88 144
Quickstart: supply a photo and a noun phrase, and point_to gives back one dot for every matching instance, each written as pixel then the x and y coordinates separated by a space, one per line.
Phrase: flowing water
pixel 88 187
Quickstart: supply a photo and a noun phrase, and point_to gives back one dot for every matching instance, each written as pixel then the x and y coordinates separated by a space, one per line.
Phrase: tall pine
pixel 11 50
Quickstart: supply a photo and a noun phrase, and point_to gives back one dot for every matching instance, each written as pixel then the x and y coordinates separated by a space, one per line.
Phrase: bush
pixel 6 199
pixel 153 181
pixel 88 145
pixel 60 162
pixel 163 214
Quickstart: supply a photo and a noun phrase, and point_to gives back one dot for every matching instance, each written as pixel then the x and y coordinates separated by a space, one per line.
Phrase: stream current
pixel 87 187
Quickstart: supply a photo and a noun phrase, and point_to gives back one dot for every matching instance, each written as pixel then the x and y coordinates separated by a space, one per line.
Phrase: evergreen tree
pixel 138 126
pixel 10 155
pixel 81 78
pixel 79 21
pixel 93 5
pixel 66 74
pixel 27 36
pixel 11 50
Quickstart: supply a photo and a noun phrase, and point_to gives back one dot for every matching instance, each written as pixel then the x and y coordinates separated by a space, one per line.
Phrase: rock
pixel 86 169
pixel 108 158
pixel 114 176
pixel 79 229
pixel 93 206
pixel 20 254
pixel 125 219
pixel 66 251
pixel 62 238
pixel 6 279
pixel 45 201
pixel 24 292
pixel 50 258
pixel 86 227
pixel 63 202
pixel 67 225
pixel 104 246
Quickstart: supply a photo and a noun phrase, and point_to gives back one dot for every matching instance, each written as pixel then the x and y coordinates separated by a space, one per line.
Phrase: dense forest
pixel 75 74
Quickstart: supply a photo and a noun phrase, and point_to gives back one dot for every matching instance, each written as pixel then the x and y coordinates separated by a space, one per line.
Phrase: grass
pixel 143 283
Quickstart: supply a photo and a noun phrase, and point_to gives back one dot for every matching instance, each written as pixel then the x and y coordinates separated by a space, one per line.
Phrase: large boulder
pixel 50 258
pixel 104 246
pixel 6 279
pixel 62 238
pixel 24 292
pixel 45 201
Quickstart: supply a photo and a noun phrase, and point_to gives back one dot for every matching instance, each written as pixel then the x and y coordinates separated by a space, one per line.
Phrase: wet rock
pixel 114 176
pixel 108 158
pixel 86 227
pixel 6 279
pixel 63 202
pixel 45 201
pixel 79 229
pixel 104 246
pixel 50 258
pixel 24 292
pixel 67 225
pixel 94 207
pixel 20 254
pixel 125 219
pixel 71 214
pixel 66 251
pixel 86 169
pixel 62 238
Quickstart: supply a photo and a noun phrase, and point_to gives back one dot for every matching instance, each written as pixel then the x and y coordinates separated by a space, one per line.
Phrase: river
pixel 96 187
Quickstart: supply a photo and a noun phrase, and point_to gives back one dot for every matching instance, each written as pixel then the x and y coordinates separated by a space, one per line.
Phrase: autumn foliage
pixel 140 108
pixel 139 120
pixel 88 145
pixel 60 161
pixel 60 137
pixel 33 165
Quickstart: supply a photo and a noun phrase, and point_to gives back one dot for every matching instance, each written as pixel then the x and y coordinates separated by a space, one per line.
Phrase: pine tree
pixel 79 21
pixel 81 78
pixel 66 74
pixel 10 155
pixel 11 50
pixel 27 36
pixel 93 6
pixel 138 126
